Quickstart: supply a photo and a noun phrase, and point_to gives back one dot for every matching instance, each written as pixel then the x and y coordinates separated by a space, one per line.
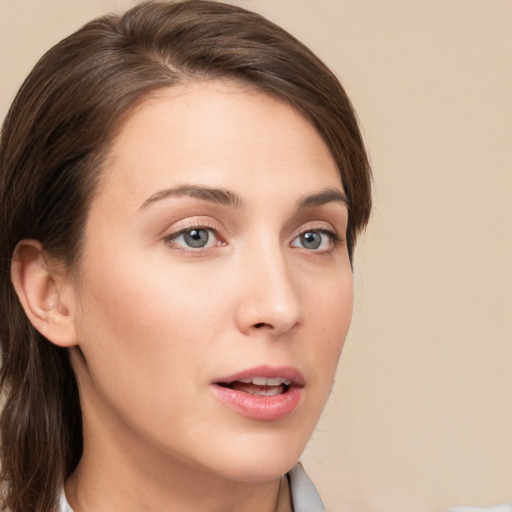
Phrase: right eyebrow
pixel 328 195
pixel 214 195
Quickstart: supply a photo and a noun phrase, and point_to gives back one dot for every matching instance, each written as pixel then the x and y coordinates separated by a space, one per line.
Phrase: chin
pixel 259 470
pixel 260 458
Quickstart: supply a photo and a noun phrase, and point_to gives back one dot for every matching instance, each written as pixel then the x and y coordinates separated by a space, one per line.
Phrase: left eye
pixel 195 238
pixel 313 240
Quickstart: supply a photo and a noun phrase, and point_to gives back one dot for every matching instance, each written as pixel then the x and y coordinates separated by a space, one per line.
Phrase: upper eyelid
pixel 190 227
pixel 186 224
pixel 326 231
pixel 319 225
pixel 181 231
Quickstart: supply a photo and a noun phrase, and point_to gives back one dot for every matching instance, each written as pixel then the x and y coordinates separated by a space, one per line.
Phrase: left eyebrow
pixel 329 195
pixel 214 195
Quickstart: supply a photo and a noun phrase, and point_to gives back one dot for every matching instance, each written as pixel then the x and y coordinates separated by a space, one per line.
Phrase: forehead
pixel 216 133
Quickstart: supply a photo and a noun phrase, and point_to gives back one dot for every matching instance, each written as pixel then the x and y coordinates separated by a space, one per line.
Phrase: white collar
pixel 305 497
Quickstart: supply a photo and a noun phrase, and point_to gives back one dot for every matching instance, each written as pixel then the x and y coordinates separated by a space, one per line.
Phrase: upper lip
pixel 288 373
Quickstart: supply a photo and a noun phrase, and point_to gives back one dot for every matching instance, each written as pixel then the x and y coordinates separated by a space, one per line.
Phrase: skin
pixel 157 321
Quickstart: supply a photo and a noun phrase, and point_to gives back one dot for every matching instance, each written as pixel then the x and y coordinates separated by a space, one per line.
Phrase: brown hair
pixel 53 144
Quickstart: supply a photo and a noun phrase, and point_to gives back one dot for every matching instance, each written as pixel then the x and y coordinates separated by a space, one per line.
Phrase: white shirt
pixel 504 507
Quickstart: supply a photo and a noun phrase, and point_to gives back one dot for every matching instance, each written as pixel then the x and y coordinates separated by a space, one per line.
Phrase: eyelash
pixel 334 239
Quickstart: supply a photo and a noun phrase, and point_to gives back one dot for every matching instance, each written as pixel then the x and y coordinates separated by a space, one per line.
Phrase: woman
pixel 181 191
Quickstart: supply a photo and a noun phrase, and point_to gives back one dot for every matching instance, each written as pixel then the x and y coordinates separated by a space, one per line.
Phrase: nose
pixel 269 301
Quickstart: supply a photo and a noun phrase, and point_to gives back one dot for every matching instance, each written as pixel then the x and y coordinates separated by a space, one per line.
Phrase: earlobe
pixel 41 291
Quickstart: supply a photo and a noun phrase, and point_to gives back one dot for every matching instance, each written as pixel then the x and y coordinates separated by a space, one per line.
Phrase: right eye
pixel 195 238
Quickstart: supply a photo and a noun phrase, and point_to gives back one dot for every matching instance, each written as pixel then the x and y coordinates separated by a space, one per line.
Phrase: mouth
pixel 259 386
pixel 262 393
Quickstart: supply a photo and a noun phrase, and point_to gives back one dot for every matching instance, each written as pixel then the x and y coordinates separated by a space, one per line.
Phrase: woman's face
pixel 215 288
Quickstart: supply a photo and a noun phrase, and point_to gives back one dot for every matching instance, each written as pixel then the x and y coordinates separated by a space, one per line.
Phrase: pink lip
pixel 264 408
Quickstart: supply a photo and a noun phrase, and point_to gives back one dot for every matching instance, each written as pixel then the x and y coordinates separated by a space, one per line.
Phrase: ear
pixel 44 293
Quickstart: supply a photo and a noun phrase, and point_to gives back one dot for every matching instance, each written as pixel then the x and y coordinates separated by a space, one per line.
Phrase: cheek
pixel 146 333
pixel 328 322
pixel 148 316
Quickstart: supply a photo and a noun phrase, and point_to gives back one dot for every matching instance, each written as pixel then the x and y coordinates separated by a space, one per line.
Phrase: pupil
pixel 196 238
pixel 311 240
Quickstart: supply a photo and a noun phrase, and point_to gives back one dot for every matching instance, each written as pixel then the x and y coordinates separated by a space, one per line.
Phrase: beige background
pixel 421 416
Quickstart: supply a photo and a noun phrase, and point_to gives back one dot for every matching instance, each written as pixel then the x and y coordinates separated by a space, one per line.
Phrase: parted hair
pixel 53 146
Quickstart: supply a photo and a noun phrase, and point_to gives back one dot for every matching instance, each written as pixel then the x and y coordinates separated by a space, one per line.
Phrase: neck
pixel 101 493
pixel 122 474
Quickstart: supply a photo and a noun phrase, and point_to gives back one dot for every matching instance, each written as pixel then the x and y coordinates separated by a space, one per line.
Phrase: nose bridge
pixel 270 299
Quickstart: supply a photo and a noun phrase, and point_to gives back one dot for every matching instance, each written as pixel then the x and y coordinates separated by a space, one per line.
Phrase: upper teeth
pixel 263 381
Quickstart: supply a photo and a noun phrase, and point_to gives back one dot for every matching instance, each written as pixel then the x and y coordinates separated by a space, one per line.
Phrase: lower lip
pixel 258 407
